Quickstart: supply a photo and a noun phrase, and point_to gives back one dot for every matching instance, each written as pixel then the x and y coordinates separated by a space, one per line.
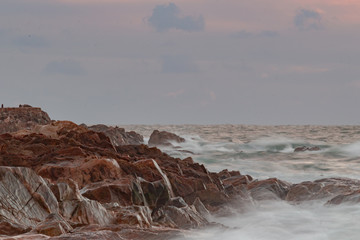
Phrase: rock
pixel 350 198
pixel 305 148
pixel 7 227
pixel 164 138
pixel 78 209
pixel 200 208
pixel 326 189
pixel 15 119
pixel 134 216
pixel 25 198
pixel 79 184
pixel 184 217
pixel 269 189
pixel 84 171
pixel 118 136
pixel 54 225
pixel 118 191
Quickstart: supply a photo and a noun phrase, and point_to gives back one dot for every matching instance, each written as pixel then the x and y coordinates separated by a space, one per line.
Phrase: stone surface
pixel 163 138
pixel 269 189
pixel 349 198
pixel 118 136
pixel 25 198
pixel 14 119
pixel 326 189
pixel 306 148
pixel 54 225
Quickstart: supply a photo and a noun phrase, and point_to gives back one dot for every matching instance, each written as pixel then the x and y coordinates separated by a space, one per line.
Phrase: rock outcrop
pixel 64 178
pixel 163 138
pixel 327 188
pixel 14 119
pixel 119 136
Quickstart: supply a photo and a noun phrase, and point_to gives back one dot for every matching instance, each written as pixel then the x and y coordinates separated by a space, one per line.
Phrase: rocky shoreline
pixel 60 180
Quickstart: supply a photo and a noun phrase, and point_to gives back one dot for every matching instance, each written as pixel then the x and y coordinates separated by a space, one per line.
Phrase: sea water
pixel 268 151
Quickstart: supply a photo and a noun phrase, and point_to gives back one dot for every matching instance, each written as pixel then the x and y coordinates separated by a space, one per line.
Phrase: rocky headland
pixel 60 180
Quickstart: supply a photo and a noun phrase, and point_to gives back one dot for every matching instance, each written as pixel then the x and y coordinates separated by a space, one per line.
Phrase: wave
pixel 277 220
pixel 198 145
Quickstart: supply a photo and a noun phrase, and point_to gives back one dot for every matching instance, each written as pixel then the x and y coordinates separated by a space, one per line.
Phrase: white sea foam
pixel 278 220
pixel 352 150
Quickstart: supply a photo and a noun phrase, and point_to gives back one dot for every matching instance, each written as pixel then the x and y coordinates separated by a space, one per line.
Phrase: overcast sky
pixel 187 61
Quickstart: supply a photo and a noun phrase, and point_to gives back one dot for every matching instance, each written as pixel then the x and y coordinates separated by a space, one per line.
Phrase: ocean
pixel 266 152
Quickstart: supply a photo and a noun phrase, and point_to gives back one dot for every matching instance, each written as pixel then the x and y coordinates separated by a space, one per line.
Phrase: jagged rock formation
pixel 67 177
pixel 119 136
pixel 164 138
pixel 24 117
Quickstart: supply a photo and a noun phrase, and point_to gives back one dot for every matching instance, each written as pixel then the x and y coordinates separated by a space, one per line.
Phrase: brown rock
pixel 326 188
pixel 164 138
pixel 118 136
pixel 271 188
pixel 78 209
pixel 118 191
pixel 7 227
pixel 184 217
pixel 15 119
pixel 54 225
pixel 350 198
pixel 305 148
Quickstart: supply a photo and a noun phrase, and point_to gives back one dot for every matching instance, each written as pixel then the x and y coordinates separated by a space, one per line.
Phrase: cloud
pixel 263 34
pixel 178 64
pixel 306 19
pixel 65 67
pixel 30 41
pixel 166 17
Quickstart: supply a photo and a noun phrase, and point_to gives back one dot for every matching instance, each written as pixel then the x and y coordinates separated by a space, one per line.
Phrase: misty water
pixel 268 151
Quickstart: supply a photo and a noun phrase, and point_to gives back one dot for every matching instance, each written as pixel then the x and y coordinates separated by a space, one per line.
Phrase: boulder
pixel 350 198
pixel 326 189
pixel 25 198
pixel 54 225
pixel 164 138
pixel 77 209
pixel 118 136
pixel 269 189
pixel 306 148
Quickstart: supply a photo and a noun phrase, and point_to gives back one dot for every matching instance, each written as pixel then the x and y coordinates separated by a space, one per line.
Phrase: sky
pixel 183 62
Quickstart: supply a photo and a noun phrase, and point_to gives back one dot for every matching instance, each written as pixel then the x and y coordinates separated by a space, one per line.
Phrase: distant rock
pixel 164 138
pixel 349 198
pixel 326 188
pixel 306 148
pixel 118 136
pixel 24 117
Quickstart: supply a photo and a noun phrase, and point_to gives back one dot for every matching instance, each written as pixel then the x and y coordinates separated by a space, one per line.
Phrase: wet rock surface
pixel 118 136
pixel 164 138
